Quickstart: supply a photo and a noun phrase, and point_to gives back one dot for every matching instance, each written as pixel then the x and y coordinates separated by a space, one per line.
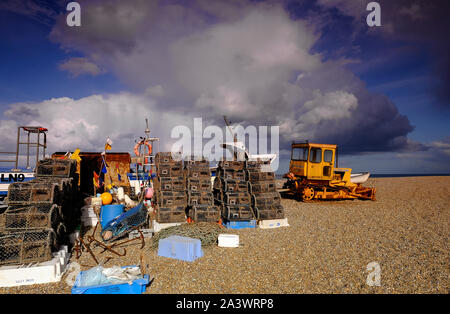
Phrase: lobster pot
pixel 200 198
pixel 272 212
pixel 176 184
pixel 39 216
pixel 199 184
pixel 64 168
pixel 27 193
pixel 195 161
pixel 262 186
pixel 197 172
pixel 231 165
pixel 231 174
pixel 256 165
pixel 204 213
pixel 253 176
pixel 266 200
pixel 237 198
pixel 66 186
pixel 31 246
pixel 169 198
pixel 167 158
pixel 230 185
pixel 62 234
pixel 237 212
pixel 170 214
pixel 174 169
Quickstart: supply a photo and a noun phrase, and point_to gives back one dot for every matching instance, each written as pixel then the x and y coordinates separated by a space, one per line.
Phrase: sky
pixel 313 68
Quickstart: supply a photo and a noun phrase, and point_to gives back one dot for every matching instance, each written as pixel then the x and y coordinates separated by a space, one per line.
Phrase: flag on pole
pixel 108 144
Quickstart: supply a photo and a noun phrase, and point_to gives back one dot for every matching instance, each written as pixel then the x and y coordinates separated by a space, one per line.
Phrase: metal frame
pixel 38 130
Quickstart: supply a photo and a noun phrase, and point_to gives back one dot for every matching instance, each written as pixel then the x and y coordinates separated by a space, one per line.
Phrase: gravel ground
pixel 325 249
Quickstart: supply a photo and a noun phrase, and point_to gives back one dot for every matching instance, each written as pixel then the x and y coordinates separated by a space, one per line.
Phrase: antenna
pixel 228 123
pixel 147 130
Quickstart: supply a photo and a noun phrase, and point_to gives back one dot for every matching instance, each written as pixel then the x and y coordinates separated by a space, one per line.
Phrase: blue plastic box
pixel 137 287
pixel 182 248
pixel 239 224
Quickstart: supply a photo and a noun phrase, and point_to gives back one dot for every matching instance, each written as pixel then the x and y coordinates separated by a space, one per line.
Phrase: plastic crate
pixel 182 248
pixel 239 224
pixel 138 286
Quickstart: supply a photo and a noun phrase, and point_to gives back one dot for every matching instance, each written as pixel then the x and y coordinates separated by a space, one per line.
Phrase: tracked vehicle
pixel 313 174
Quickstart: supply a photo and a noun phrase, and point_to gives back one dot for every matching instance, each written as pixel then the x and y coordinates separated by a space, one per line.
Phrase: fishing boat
pixel 359 177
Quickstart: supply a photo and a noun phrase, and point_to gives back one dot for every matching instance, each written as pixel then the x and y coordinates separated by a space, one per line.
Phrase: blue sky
pixel 392 75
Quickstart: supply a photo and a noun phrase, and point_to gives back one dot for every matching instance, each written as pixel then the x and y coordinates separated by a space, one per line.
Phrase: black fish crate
pixel 230 185
pixel 262 186
pixel 171 198
pixel 170 214
pixel 237 198
pixel 272 212
pixel 64 168
pixel 39 216
pixel 27 193
pixel 266 200
pixel 177 184
pixel 31 246
pixel 199 184
pixel 167 158
pixel 205 213
pixel 197 172
pixel 200 198
pixel 231 174
pixel 237 212
pixel 170 170
pixel 232 165
pixel 254 176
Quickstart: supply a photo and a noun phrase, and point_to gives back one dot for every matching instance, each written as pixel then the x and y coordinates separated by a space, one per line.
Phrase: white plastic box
pixel 228 240
pixel 273 223
pixel 36 273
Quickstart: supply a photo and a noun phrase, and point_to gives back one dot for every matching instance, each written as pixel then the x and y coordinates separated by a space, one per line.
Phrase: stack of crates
pixel 266 200
pixel 231 191
pixel 169 188
pixel 201 206
pixel 41 213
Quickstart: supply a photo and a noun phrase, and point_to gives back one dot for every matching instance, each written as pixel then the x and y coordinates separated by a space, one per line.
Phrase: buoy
pixel 106 198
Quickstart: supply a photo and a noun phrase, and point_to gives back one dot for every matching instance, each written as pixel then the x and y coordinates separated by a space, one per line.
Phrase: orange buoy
pixel 106 198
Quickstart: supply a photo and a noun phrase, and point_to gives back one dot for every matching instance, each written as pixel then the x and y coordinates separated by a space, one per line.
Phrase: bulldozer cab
pixel 313 161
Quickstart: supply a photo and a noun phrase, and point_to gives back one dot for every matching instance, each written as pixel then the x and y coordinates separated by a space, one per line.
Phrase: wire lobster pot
pixel 37 216
pixel 176 184
pixel 204 213
pixel 64 168
pixel 37 192
pixel 237 212
pixel 231 174
pixel 200 198
pixel 31 246
pixel 197 172
pixel 230 185
pixel 270 212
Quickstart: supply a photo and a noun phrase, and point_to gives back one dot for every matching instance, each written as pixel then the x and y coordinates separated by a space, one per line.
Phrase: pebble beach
pixel 326 249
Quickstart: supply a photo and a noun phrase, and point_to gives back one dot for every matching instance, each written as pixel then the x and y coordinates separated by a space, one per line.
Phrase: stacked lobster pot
pixel 201 206
pixel 266 200
pixel 231 191
pixel 40 214
pixel 169 188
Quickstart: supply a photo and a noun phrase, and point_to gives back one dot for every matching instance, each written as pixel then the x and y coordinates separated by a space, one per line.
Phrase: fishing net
pixel 206 232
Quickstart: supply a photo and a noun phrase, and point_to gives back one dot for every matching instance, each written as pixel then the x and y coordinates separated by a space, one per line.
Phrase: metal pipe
pixel 17 151
pixel 28 150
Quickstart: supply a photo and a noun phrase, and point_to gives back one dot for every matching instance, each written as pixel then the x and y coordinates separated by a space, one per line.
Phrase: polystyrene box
pixel 182 248
pixel 273 223
pixel 228 240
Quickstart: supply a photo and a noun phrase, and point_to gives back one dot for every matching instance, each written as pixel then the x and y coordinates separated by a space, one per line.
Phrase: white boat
pixel 359 177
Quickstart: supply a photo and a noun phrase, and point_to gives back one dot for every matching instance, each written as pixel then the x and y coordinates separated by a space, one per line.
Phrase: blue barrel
pixel 109 212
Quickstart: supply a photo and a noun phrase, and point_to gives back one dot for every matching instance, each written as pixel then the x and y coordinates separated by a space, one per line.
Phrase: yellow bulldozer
pixel 313 174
